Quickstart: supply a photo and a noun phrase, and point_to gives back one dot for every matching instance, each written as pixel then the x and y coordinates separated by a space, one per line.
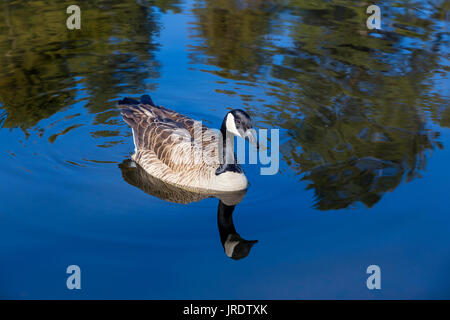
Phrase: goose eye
pixel 238 121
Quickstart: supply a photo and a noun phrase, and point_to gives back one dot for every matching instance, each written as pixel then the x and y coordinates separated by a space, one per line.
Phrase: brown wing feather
pixel 160 131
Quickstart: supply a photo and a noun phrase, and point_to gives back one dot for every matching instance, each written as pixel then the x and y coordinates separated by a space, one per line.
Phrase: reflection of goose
pixel 235 247
pixel 181 151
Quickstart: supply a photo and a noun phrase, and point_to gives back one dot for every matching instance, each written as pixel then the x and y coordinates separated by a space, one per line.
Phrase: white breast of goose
pixel 229 181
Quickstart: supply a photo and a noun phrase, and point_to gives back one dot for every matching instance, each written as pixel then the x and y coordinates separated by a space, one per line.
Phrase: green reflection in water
pixel 355 104
pixel 43 63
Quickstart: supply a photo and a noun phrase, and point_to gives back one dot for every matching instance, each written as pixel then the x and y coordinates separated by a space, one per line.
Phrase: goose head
pixel 238 123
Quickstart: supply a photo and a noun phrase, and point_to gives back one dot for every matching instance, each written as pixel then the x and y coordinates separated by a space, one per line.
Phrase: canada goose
pixel 234 246
pixel 183 152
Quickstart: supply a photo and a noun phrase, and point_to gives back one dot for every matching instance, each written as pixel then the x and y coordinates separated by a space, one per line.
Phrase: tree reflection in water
pixel 360 110
pixel 355 105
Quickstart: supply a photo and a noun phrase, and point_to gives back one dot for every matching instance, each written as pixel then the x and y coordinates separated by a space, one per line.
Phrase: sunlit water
pixel 364 121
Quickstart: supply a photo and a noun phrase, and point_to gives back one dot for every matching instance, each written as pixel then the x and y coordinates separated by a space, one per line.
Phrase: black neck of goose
pixel 227 153
pixel 225 221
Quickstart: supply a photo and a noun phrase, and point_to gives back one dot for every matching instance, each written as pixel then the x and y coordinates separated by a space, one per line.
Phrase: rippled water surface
pixel 364 121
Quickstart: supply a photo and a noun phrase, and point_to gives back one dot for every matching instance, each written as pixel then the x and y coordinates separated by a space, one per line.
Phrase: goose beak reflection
pixel 234 246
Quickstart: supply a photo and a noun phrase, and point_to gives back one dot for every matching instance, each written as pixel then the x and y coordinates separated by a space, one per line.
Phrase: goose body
pixel 181 151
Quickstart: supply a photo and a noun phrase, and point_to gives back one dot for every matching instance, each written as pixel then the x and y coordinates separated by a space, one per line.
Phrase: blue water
pixel 65 202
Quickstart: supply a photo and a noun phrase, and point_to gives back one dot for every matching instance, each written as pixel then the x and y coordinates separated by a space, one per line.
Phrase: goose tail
pixel 132 110
pixel 145 99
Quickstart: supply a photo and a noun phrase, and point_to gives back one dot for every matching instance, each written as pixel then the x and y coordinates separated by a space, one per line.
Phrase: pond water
pixel 363 179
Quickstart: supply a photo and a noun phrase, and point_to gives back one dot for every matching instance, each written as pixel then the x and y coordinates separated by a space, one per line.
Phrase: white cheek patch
pixel 231 125
pixel 229 246
pixel 135 141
